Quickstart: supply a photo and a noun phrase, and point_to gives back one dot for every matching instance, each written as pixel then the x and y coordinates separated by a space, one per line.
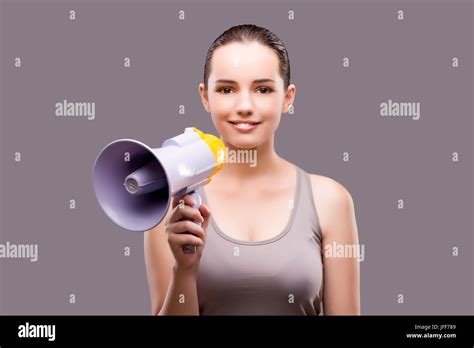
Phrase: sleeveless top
pixel 282 275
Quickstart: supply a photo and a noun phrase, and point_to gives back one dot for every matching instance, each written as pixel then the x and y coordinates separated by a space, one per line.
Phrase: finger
pixel 206 214
pixel 182 239
pixel 204 210
pixel 183 227
pixel 187 200
pixel 185 213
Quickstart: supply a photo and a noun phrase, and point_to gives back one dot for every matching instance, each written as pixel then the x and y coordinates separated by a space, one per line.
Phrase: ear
pixel 204 96
pixel 289 98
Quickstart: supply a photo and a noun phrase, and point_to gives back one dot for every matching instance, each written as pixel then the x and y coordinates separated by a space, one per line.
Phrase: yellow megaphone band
pixel 217 147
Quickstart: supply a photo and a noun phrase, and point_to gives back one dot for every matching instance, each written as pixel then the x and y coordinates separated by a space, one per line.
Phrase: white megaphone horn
pixel 134 184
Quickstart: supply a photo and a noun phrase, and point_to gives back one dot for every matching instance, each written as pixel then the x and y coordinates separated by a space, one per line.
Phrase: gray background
pixel 81 251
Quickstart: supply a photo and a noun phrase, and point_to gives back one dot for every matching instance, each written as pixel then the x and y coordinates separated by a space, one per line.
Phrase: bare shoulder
pixel 333 201
pixel 329 189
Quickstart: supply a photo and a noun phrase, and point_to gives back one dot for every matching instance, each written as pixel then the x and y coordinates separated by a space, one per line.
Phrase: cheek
pixel 220 107
pixel 268 107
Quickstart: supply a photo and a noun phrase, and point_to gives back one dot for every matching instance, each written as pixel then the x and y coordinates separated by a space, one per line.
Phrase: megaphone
pixel 134 184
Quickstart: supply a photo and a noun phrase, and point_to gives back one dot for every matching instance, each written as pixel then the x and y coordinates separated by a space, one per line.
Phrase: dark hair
pixel 246 33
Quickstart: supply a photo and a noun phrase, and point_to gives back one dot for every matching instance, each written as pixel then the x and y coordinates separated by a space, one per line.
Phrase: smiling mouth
pixel 244 125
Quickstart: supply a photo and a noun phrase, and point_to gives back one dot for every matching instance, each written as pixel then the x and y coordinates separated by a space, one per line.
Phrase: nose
pixel 244 105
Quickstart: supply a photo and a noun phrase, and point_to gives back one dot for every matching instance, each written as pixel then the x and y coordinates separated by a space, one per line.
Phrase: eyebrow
pixel 254 81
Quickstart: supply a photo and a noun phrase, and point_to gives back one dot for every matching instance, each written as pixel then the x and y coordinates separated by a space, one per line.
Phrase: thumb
pixel 206 214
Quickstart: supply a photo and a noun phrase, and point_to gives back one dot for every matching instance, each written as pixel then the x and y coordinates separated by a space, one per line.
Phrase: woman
pixel 265 249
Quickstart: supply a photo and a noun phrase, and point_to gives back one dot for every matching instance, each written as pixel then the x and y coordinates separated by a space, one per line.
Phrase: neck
pixel 259 162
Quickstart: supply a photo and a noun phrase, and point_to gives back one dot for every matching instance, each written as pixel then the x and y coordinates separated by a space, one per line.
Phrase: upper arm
pixel 336 214
pixel 159 263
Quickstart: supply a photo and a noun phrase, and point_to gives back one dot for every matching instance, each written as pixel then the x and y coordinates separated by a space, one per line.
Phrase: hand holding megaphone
pixel 134 184
pixel 186 229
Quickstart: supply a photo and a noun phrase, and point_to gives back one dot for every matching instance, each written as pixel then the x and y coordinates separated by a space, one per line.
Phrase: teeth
pixel 243 125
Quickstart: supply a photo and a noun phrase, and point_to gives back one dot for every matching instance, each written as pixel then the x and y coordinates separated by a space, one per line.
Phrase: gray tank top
pixel 282 275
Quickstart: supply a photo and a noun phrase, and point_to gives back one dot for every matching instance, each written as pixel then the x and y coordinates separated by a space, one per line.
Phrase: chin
pixel 243 143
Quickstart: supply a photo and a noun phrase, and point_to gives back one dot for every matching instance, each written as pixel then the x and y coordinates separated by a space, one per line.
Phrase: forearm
pixel 181 298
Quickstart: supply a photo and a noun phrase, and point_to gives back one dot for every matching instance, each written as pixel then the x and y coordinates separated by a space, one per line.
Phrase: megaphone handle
pixel 189 248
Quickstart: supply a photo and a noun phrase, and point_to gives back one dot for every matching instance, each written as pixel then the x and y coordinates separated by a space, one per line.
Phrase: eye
pixel 225 89
pixel 265 90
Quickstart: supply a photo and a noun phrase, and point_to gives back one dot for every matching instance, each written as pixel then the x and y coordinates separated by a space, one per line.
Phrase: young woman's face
pixel 246 94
